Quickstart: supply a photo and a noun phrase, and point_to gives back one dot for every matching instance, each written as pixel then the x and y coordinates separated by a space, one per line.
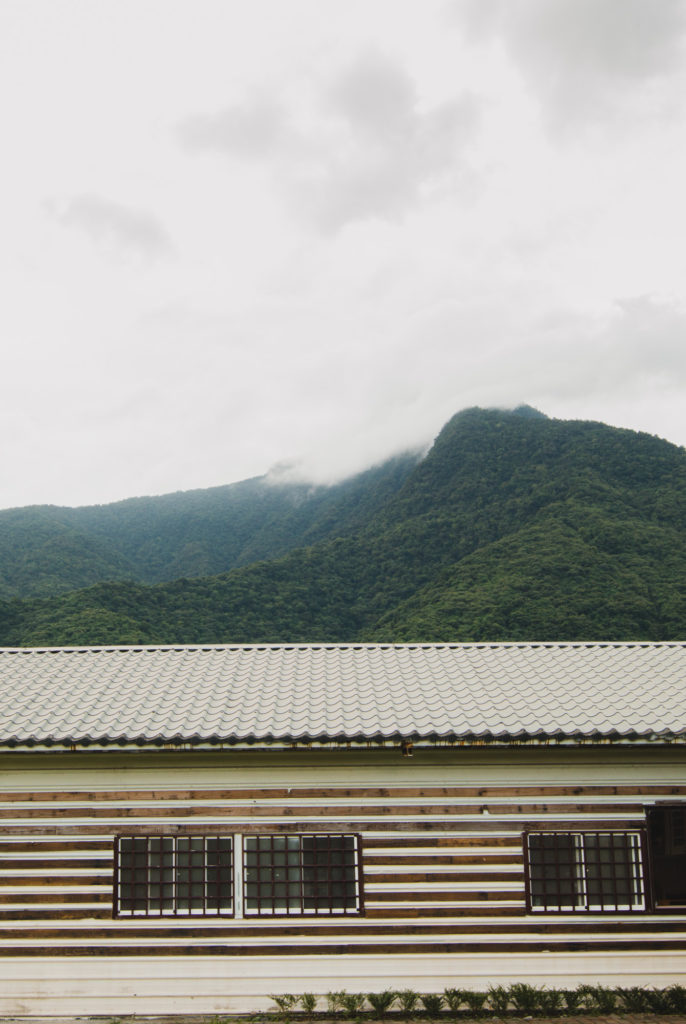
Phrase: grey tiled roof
pixel 266 694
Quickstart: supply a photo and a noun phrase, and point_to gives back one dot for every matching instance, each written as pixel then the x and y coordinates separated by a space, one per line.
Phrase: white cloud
pixel 362 146
pixel 623 364
pixel 587 60
pixel 113 225
pixel 393 154
pixel 327 227
pixel 376 96
pixel 254 129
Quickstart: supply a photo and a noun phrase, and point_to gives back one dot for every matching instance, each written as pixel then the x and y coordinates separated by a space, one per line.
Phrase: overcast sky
pixel 240 233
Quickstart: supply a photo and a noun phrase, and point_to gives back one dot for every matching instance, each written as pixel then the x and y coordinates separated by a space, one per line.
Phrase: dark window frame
pixel 157 889
pixel 123 905
pixel 639 873
pixel 319 907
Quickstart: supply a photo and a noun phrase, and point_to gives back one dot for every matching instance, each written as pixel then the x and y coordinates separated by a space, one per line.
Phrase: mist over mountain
pixel 47 550
pixel 512 527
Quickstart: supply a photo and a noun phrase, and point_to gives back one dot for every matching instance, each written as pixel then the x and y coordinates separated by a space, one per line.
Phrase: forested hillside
pixel 47 550
pixel 513 527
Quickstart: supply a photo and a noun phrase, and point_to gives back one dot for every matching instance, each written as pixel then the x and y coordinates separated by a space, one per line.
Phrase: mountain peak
pixel 529 412
pixel 513 526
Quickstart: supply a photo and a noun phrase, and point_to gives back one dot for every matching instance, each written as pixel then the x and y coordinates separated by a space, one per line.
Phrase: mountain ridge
pixel 512 526
pixel 162 538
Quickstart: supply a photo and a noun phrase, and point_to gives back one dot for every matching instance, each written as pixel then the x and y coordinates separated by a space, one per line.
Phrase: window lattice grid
pixel 301 874
pixel 174 875
pixel 585 871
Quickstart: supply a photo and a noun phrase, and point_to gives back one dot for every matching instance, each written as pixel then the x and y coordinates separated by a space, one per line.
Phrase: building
pixel 191 829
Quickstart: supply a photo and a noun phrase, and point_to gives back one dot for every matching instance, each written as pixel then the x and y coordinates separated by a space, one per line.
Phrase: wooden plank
pixel 57 914
pixel 477 825
pixel 58 862
pixel 386 913
pixel 343 949
pixel 46 881
pixel 445 877
pixel 430 896
pixel 132 930
pixel 429 859
pixel 50 897
pixel 553 824
pixel 159 810
pixel 440 842
pixel 38 845
pixel 347 792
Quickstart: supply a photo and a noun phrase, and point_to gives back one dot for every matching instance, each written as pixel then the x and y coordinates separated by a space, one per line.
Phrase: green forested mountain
pixel 47 550
pixel 512 527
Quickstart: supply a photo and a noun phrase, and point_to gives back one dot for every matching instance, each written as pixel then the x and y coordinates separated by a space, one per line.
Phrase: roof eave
pixel 214 743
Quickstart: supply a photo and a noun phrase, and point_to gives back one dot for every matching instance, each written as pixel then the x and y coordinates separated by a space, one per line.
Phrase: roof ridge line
pixel 348 646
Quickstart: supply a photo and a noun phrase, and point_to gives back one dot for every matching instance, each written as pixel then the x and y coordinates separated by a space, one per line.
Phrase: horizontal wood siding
pixel 443 869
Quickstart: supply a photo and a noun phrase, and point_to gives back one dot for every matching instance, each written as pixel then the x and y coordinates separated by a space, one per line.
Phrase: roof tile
pixel 281 693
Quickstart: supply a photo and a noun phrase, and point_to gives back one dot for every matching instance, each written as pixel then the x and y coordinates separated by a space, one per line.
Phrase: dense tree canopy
pixel 513 527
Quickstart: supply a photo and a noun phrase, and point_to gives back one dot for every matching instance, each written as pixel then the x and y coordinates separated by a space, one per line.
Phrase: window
pixel 174 875
pixel 584 871
pixel 158 876
pixel 300 874
pixel 667 844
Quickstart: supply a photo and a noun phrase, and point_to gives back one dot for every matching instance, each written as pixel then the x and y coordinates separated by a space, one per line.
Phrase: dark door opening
pixel 667 843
